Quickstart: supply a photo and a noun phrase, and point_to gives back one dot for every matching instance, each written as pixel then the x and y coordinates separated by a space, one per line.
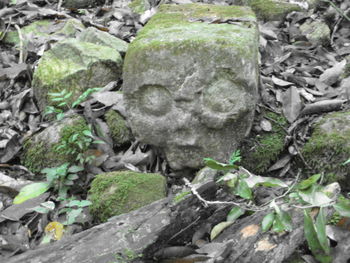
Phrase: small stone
pixel 265 125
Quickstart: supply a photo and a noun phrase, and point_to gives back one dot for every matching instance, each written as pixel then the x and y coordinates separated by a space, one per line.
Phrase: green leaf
pixel 68 182
pixel 346 162
pixel 31 191
pixel 219 228
pixel 343 207
pixel 98 142
pixel 87 133
pixel 41 210
pixel 84 203
pixel 68 95
pixel 267 221
pixel 72 215
pixel 320 225
pixel 57 99
pixel 234 213
pixel 49 205
pixel 218 166
pixel 75 169
pixel 286 220
pixel 243 190
pixel 277 225
pixel 254 180
pixel 62 192
pixel 72 177
pixel 312 239
pixel 235 157
pixel 60 116
pixel 315 196
pixel 308 182
pixel 74 203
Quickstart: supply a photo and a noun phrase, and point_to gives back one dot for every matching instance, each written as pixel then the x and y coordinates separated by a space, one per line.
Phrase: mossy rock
pixel 164 91
pixel 260 151
pixel 46 29
pixel 39 151
pixel 317 32
pixel 328 147
pixel 118 129
pixel 139 6
pixel 271 10
pixel 74 66
pixel 117 193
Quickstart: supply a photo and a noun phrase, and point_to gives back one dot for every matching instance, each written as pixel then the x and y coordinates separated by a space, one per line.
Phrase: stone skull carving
pixel 191 98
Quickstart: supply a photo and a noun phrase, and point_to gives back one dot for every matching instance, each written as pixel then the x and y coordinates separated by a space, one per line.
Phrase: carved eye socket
pixel 221 96
pixel 155 100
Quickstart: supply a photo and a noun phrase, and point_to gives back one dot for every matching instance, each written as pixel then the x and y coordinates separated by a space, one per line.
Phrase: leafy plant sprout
pixel 62 98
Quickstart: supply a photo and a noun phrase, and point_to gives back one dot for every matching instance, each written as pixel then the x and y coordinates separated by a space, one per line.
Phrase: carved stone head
pixel 191 89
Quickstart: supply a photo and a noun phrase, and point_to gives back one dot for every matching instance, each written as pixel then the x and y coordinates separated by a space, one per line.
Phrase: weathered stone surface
pixel 99 37
pixel 190 87
pixel 329 146
pixel 121 192
pixel 317 32
pixel 39 151
pixel 46 29
pixel 121 239
pixel 75 66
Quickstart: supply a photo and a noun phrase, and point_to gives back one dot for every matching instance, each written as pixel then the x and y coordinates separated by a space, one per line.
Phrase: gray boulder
pixel 190 81
pixel 75 66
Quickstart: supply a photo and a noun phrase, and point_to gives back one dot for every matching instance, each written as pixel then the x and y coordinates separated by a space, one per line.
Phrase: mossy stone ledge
pixel 117 193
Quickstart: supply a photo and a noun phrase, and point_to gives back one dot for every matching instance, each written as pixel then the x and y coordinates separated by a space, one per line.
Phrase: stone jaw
pixel 191 87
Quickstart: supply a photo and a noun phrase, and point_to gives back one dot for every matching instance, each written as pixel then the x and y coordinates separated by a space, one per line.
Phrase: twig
pixel 20 60
pixel 207 203
pixel 184 229
pixel 285 193
pixel 337 9
pixel 59 5
pixel 263 207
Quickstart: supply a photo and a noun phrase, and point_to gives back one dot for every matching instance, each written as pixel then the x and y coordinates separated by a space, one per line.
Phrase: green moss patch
pixel 261 150
pixel 40 153
pixel 75 66
pixel 329 146
pixel 121 192
pixel 271 10
pixel 120 133
pixel 180 28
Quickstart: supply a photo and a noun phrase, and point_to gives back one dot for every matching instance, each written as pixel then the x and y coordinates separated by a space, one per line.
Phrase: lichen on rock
pixel 117 193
